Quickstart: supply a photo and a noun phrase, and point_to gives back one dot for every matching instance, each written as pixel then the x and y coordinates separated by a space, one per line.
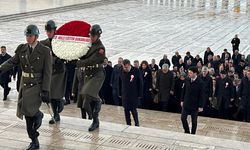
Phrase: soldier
pixel 58 80
pixel 94 75
pixel 35 61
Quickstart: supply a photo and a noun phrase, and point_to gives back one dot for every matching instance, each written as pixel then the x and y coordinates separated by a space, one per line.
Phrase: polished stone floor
pixel 159 130
pixel 146 29
pixel 71 133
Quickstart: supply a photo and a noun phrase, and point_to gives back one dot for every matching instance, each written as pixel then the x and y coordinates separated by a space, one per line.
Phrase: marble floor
pixel 146 29
pixel 71 133
pixel 158 130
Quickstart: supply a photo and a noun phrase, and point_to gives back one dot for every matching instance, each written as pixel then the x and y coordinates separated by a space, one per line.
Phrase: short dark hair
pixel 126 62
pixel 3 47
pixel 193 69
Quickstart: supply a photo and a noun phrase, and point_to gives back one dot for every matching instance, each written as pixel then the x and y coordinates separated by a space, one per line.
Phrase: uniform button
pixel 24 84
pixel 31 84
pixel 22 56
pixel 86 76
pixel 38 58
pixel 31 66
pixel 90 75
pixel 25 66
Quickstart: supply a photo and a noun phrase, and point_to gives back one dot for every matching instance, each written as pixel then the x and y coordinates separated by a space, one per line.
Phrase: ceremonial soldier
pixel 94 75
pixel 35 61
pixel 58 80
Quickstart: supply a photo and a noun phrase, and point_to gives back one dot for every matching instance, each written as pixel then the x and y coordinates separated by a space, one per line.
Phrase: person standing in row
pixel 5 78
pixel 58 81
pixel 35 61
pixel 192 100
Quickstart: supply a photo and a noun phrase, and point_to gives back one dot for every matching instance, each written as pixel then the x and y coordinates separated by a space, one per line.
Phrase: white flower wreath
pixel 70 47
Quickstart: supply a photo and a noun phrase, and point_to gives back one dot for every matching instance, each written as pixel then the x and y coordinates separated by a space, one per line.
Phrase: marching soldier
pixel 58 80
pixel 35 61
pixel 94 75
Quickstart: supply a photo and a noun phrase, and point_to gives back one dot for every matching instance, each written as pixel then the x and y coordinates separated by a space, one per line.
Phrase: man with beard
pixel 58 80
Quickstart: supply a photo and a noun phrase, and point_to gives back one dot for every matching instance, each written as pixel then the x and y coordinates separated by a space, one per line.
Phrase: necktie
pixel 30 49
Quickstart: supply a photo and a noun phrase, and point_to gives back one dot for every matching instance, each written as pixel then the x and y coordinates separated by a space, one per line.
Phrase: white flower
pixel 70 47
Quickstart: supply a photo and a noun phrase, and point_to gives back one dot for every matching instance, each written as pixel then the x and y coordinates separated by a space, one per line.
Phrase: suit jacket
pixel 193 94
pixel 224 89
pixel 131 88
pixel 5 77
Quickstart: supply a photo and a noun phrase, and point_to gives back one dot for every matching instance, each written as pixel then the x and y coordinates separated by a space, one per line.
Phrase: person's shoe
pixel 67 102
pixel 52 121
pixel 33 145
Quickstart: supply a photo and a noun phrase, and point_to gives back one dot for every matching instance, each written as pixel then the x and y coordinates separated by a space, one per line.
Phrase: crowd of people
pixel 222 75
pixel 221 89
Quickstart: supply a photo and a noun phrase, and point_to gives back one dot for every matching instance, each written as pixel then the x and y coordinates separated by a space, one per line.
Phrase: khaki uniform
pixel 36 76
pixel 58 80
pixel 94 71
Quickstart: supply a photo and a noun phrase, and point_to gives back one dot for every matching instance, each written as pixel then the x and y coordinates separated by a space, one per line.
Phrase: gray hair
pixel 204 68
pixel 165 66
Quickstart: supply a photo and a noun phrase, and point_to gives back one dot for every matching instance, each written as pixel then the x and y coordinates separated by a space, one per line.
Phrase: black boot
pixel 96 110
pixel 33 145
pixel 55 119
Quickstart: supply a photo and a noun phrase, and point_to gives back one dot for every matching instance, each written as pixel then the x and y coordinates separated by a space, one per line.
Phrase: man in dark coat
pixel 131 90
pixel 35 61
pixel 206 54
pixel 224 93
pixel 208 87
pixel 114 82
pixel 176 58
pixel 164 60
pixel 153 66
pixel 192 100
pixel 244 94
pixel 94 75
pixel 164 85
pixel 106 90
pixel 235 43
pixel 5 78
pixel 188 57
pixel 225 56
pixel 59 78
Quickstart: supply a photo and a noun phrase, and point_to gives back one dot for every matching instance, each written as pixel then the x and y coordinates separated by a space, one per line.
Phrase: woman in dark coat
pixel 146 100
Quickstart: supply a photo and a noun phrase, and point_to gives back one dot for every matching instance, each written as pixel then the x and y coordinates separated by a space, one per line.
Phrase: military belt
pixel 94 66
pixel 31 75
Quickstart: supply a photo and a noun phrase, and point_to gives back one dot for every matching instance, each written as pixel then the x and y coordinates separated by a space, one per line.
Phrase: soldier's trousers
pixel 32 124
pixel 5 86
pixel 57 107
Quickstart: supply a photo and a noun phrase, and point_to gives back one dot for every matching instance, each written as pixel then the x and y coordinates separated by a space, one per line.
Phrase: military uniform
pixel 58 83
pixel 94 78
pixel 78 83
pixel 36 75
